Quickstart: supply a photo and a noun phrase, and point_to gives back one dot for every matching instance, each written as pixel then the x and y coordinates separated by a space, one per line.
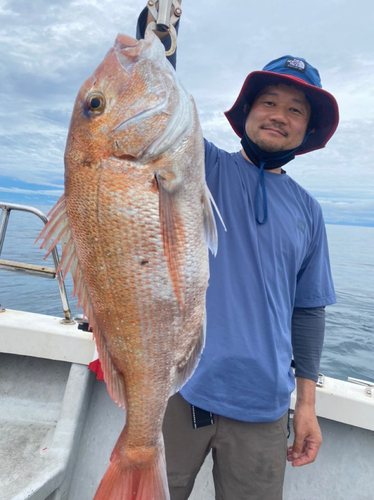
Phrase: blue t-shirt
pixel 261 272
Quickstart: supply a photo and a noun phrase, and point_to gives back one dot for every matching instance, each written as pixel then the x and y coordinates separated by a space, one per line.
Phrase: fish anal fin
pixel 172 230
pixel 113 379
pixel 186 367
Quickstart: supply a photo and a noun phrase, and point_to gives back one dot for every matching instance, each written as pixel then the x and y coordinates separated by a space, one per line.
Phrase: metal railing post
pixel 5 212
pixel 28 268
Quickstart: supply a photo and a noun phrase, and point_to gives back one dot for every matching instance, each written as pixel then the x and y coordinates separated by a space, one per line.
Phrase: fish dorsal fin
pixel 172 229
pixel 56 231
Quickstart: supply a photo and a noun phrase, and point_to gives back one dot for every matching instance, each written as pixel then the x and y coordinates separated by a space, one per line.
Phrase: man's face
pixel 278 118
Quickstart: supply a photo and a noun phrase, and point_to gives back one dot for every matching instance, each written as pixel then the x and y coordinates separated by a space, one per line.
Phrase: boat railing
pixel 36 270
pixel 369 386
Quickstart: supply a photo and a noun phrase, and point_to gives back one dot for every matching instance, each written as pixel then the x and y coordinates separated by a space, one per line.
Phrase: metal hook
pixel 165 19
pixel 173 35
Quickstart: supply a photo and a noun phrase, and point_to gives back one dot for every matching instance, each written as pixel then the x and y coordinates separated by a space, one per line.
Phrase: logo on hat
pixel 296 64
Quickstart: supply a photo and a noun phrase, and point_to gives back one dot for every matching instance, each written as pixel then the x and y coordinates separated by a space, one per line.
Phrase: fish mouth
pixel 128 51
pixel 125 41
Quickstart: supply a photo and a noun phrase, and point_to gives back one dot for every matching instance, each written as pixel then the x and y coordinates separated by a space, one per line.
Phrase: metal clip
pixel 321 380
pixel 165 19
pixel 368 385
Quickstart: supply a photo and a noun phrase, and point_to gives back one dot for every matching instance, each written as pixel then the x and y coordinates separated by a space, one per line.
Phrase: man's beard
pixel 268 146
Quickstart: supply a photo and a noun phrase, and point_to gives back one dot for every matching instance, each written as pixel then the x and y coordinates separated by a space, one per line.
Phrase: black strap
pixel 201 418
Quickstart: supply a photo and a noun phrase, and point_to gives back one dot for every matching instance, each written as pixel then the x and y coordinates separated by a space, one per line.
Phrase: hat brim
pixel 325 107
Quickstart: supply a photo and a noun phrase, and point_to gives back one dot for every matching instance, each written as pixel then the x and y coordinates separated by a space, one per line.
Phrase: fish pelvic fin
pixel 135 474
pixel 172 230
pixel 210 228
pixel 187 365
pixel 57 231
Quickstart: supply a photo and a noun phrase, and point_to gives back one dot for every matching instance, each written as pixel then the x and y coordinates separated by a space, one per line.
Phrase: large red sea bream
pixel 135 222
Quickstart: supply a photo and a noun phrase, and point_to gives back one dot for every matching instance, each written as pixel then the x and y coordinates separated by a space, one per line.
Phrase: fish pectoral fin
pixel 187 366
pixel 210 228
pixel 172 229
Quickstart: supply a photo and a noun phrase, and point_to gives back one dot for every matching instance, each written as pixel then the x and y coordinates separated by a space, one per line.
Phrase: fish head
pixel 125 106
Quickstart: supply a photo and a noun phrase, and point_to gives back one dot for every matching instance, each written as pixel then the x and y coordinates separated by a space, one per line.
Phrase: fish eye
pixel 96 103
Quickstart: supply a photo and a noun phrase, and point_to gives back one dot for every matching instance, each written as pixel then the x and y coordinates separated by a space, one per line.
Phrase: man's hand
pixel 308 437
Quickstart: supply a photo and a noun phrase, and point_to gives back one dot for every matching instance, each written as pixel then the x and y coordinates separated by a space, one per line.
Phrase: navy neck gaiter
pixel 270 160
pixel 266 161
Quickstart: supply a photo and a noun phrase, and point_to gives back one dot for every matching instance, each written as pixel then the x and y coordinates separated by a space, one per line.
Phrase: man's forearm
pixel 308 328
pixel 305 391
pixel 307 434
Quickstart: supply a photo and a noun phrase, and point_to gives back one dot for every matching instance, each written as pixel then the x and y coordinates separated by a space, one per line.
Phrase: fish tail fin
pixel 143 480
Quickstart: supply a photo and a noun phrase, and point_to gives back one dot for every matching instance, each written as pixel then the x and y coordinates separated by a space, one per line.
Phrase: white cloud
pixel 37 192
pixel 50 47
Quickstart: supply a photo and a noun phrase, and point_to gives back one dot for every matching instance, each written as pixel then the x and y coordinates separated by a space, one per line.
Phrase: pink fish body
pixel 135 223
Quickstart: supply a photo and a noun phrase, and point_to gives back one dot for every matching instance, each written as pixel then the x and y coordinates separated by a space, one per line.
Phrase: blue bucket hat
pixel 296 71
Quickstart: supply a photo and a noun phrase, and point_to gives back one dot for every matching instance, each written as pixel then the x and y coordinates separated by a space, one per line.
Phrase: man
pixel 269 285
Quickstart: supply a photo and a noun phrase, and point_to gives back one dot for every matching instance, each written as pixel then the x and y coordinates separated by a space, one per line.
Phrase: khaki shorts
pixel 249 458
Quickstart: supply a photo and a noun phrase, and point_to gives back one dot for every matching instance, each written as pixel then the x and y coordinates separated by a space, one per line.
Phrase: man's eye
pixel 295 110
pixel 269 103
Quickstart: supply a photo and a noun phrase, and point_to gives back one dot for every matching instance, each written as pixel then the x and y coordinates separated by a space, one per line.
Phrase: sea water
pixel 349 338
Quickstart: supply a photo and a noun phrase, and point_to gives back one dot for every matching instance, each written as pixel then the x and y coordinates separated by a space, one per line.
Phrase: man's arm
pixel 308 327
pixel 308 437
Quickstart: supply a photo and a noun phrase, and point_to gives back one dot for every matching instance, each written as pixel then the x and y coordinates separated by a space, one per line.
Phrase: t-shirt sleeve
pixel 211 156
pixel 314 281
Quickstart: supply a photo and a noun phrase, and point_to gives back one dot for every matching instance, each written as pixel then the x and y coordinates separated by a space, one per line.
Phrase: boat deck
pixel 28 418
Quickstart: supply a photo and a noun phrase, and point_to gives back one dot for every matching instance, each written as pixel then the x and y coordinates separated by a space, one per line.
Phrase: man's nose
pixel 279 115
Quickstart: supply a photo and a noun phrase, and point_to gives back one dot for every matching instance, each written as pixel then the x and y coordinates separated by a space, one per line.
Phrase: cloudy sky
pixel 49 47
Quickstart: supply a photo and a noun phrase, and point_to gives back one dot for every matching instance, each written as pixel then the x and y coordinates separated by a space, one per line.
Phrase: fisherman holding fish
pixel 268 288
pixel 136 242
